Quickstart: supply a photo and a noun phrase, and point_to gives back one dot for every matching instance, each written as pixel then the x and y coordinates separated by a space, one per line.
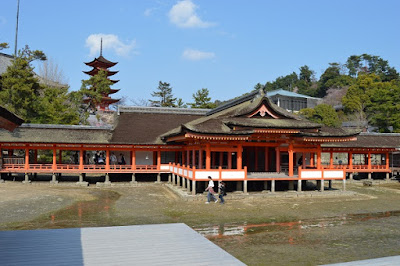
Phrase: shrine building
pixel 250 143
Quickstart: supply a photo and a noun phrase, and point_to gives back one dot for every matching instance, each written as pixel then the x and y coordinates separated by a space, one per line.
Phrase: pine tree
pixel 164 94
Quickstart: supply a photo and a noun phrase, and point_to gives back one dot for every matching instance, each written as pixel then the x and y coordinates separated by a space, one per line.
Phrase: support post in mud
pixel 133 179
pixel 369 176
pixel 188 185
pixel 193 187
pixel 299 185
pixel 178 180
pixel 183 182
pixel 173 179
pixel 54 179
pixel 80 178
pixel 387 176
pixel 322 185
pixel 158 178
pixel 245 186
pixel 26 181
pixel 107 180
pixel 291 185
pixel 273 185
pixel 169 178
pixel 344 184
pixel 330 184
pixel 351 177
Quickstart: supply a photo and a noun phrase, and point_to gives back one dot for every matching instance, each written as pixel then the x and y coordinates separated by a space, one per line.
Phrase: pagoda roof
pixel 101 61
pixel 255 113
pixel 94 71
pixel 112 91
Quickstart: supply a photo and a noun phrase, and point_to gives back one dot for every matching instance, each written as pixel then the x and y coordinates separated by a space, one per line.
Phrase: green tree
pixel 20 89
pixel 322 114
pixel 202 100
pixel 3 45
pixel 164 95
pixel 371 64
pixel 306 74
pixel 333 78
pixel 287 82
pixel 180 103
pixel 95 88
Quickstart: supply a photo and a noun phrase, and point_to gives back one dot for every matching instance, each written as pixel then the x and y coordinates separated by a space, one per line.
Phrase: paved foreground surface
pixel 160 244
pixel 387 261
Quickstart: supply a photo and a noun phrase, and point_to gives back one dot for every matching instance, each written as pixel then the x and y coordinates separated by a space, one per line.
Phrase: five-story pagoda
pixel 100 63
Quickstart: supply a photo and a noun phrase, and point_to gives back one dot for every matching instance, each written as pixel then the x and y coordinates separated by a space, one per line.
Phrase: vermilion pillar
pixel 229 160
pixel 54 159
pixel 133 160
pixel 290 151
pixel 239 156
pixel 312 159
pixel 369 160
pixel 350 155
pixel 81 159
pixel 26 158
pixel 107 159
pixel 319 157
pixel 331 159
pixel 208 156
pixel 158 160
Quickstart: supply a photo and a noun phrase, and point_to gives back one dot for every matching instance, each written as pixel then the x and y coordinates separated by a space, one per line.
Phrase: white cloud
pixel 148 11
pixel 183 14
pixel 195 55
pixel 110 42
pixel 3 21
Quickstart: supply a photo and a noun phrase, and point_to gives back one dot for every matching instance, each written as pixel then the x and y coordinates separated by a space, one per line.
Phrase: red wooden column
pixel 27 158
pixel 54 159
pixel 312 159
pixel 387 160
pixel 208 156
pixel 290 151
pixel 133 160
pixel 221 158
pixel 193 157
pixel 229 160
pixel 319 156
pixel 266 159
pixel 331 159
pixel 278 159
pixel 350 155
pixel 107 159
pixel 158 160
pixel 200 159
pixel 187 157
pixel 239 156
pixel 369 160
pixel 81 159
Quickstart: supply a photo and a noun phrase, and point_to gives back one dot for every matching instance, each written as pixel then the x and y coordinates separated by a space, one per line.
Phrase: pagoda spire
pixel 101 46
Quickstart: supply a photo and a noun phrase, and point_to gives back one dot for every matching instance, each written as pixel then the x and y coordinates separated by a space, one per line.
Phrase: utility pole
pixel 16 31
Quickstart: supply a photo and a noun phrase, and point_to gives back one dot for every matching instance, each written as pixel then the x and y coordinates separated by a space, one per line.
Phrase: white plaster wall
pixel 310 174
pixel 233 175
pixel 141 158
pixel 334 174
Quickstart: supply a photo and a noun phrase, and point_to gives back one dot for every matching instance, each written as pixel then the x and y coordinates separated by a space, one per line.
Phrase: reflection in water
pixel 224 230
pixel 86 211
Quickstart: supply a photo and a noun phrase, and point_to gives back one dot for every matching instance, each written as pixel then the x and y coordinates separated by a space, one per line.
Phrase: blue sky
pixel 226 46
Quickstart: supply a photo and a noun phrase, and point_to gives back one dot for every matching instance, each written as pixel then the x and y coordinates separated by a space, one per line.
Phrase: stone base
pixel 103 184
pixel 133 182
pixel 2 181
pixel 26 182
pixel 53 182
pixel 82 184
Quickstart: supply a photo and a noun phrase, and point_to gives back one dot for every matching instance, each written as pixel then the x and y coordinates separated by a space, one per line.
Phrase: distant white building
pixel 292 101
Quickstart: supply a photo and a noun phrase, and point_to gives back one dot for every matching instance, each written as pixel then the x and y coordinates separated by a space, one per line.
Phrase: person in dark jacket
pixel 222 192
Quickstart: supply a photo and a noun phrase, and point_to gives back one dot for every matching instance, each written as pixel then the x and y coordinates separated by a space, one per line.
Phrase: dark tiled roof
pixel 146 127
pixel 57 134
pixel 9 120
pixel 370 140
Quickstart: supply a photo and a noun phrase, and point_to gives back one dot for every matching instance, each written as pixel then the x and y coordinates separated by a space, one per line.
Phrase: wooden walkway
pixel 160 244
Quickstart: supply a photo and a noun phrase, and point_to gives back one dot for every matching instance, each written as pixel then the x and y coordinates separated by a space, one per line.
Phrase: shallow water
pixel 224 230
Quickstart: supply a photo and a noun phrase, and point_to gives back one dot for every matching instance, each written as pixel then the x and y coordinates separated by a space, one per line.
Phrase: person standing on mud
pixel 210 189
pixel 222 192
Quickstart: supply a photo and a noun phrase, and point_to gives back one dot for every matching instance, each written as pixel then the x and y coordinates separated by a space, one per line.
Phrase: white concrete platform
pixel 160 244
pixel 385 261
